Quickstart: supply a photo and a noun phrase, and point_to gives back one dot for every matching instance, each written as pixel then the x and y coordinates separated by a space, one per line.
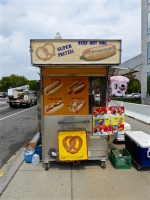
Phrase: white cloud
pixel 41 19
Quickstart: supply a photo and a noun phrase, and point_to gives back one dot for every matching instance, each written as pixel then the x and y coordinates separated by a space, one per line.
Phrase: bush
pixel 129 100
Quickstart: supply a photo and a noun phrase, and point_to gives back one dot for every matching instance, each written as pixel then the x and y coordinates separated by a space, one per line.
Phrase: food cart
pixel 74 91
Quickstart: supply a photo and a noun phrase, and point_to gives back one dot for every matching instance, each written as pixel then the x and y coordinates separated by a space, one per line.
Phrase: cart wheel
pixel 138 167
pixel 115 141
pixel 46 166
pixel 103 164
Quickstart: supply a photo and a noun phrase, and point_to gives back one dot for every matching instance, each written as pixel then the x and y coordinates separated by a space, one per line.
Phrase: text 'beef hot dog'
pixel 54 107
pixel 53 88
pixel 99 52
pixel 76 88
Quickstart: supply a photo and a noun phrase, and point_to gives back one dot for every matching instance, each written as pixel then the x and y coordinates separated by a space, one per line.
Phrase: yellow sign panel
pixel 72 145
pixel 45 52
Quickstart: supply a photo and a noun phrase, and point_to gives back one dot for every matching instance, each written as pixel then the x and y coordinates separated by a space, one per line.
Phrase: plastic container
pixel 35 159
pixel 120 137
pixel 121 159
pixel 38 150
pixel 28 154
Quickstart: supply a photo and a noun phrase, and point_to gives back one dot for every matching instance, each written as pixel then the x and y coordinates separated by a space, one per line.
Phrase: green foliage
pixel 14 80
pixel 134 84
pixel 32 84
pixel 128 100
pixel 148 85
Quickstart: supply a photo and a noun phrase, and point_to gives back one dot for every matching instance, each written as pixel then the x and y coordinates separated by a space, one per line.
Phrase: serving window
pixel 97 92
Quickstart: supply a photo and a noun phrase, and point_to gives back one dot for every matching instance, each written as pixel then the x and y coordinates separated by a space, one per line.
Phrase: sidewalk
pixel 80 182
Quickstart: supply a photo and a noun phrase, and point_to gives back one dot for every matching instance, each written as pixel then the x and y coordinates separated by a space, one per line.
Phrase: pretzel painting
pixel 76 106
pixel 70 143
pixel 45 50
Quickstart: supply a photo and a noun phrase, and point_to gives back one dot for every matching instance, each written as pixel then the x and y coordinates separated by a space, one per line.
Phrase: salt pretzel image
pixel 72 144
pixel 43 52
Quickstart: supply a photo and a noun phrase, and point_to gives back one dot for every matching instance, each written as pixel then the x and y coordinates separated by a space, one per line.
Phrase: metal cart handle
pixel 84 121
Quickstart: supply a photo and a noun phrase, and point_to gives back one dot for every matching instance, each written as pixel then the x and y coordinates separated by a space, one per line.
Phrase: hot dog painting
pixel 54 107
pixel 99 52
pixel 76 87
pixel 64 95
pixel 53 88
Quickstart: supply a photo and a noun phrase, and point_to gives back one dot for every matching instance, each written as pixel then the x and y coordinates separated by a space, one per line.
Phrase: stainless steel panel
pixel 97 142
pixel 55 123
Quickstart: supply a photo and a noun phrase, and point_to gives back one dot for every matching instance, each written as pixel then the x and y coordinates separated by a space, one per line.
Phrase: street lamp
pixel 57 36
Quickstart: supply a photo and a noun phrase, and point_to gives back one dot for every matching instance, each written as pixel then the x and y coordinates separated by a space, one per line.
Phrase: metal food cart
pixel 74 80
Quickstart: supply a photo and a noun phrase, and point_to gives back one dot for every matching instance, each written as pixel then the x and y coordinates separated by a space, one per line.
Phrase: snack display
pixel 54 107
pixel 99 52
pixel 53 88
pixel 108 120
pixel 76 88
pixel 76 106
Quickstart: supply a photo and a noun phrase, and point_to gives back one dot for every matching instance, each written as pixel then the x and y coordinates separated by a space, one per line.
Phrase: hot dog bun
pixel 99 52
pixel 76 88
pixel 54 107
pixel 53 88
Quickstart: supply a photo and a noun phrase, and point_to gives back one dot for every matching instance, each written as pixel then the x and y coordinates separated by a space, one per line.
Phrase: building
pixel 141 62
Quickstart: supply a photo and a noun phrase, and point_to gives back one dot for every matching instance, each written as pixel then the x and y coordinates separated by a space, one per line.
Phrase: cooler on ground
pixel 137 144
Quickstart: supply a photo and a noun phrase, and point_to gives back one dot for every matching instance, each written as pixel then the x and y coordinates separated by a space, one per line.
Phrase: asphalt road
pixel 17 127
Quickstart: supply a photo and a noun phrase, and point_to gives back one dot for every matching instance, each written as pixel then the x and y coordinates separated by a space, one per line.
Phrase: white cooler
pixel 120 137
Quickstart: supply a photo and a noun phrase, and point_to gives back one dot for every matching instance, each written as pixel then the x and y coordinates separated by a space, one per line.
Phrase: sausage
pixel 99 52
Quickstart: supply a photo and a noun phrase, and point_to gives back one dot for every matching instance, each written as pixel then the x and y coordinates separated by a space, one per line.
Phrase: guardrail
pixel 137 111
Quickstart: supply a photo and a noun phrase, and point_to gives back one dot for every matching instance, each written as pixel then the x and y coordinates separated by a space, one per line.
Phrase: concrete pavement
pixel 80 182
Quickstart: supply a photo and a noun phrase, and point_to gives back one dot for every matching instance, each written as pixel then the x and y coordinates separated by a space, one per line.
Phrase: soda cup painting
pixel 118 85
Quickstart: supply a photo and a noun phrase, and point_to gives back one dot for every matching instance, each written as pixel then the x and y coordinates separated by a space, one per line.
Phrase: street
pixel 17 127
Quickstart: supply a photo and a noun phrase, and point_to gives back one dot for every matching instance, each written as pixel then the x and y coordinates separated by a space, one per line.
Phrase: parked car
pixel 136 95
pixel 128 95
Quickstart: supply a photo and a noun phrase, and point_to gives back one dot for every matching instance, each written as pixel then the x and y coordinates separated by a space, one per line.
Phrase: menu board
pixel 65 95
pixel 108 120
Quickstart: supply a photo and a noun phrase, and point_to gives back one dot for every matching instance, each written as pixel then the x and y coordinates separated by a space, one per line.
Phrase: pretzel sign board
pixel 72 145
pixel 75 51
pixel 108 120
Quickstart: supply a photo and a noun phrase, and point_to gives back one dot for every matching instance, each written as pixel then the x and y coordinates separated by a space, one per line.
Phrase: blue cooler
pixel 38 150
pixel 137 144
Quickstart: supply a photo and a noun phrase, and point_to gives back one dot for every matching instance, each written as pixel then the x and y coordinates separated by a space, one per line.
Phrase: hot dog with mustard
pixel 76 88
pixel 99 52
pixel 53 88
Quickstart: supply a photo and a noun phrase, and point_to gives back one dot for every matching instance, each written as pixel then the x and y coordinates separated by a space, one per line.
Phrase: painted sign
pixel 72 145
pixel 75 51
pixel 108 120
pixel 65 95
pixel 118 85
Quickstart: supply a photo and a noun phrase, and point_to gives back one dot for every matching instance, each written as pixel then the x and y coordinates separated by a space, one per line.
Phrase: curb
pixel 4 181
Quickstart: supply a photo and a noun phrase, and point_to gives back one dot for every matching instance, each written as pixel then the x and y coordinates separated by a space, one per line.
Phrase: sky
pixel 22 20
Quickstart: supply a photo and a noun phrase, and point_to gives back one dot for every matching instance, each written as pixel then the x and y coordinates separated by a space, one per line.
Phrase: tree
pixel 148 85
pixel 12 81
pixel 32 84
pixel 134 84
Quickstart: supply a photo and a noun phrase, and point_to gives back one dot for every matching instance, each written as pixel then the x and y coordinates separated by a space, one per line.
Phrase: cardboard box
pixel 31 145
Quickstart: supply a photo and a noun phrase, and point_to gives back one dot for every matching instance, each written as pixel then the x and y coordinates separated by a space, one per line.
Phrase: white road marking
pixel 4 107
pixel 15 113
